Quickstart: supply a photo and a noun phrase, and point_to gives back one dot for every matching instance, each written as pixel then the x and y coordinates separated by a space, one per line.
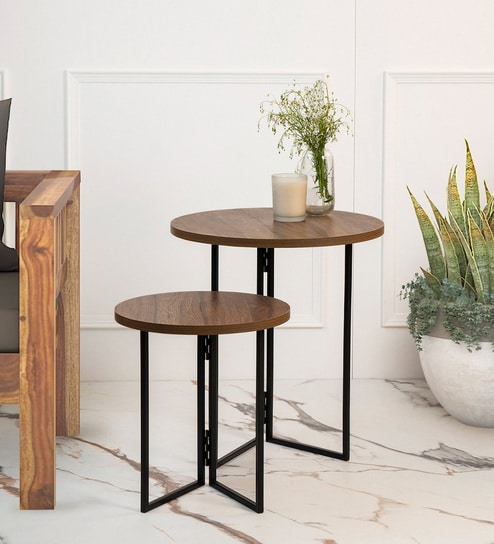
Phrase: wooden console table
pixel 255 227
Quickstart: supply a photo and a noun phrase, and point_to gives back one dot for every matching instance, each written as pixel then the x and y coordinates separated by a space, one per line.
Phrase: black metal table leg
pixel 265 268
pixel 258 504
pixel 347 351
pixel 213 409
pixel 201 411
pixel 144 421
pixel 215 281
pixel 265 265
pixel 260 415
pixel 147 505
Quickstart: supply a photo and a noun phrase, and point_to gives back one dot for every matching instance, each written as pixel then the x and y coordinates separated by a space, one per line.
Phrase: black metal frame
pixel 207 439
pixel 265 283
pixel 258 442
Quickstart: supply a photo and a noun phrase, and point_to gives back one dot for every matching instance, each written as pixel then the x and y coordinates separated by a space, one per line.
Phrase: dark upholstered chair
pixel 39 322
pixel 9 262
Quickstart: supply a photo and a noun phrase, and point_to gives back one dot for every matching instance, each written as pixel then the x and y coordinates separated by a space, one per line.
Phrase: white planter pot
pixel 461 381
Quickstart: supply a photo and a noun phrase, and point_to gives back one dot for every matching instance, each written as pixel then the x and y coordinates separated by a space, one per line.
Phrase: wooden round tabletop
pixel 202 312
pixel 255 227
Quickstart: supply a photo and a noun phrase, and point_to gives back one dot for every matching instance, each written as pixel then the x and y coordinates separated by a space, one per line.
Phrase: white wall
pixel 157 103
pixel 424 82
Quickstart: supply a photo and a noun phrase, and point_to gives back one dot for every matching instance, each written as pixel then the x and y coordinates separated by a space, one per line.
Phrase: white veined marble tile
pixel 415 474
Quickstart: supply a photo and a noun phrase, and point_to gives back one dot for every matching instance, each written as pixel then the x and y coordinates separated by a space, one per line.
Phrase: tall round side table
pixel 255 227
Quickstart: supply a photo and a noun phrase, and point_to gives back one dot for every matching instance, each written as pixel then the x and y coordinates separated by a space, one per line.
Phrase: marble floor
pixel 415 475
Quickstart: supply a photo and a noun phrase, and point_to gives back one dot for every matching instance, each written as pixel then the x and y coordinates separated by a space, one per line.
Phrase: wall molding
pixel 310 320
pixel 393 82
pixel 75 80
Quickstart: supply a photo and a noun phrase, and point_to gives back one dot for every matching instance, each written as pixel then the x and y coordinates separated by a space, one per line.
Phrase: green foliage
pixel 465 319
pixel 310 117
pixel 460 246
pixel 460 252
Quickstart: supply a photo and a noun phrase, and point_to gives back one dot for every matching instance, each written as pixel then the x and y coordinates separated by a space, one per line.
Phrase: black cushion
pixel 8 256
pixel 9 312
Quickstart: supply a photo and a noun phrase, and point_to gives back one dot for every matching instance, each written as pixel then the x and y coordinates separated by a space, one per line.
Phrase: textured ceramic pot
pixel 461 381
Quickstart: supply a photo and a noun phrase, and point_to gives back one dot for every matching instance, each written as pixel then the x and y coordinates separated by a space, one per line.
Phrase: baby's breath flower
pixel 311 117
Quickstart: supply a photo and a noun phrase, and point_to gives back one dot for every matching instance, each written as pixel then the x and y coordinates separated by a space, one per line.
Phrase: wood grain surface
pixel 255 227
pixel 9 378
pixel 202 312
pixel 47 205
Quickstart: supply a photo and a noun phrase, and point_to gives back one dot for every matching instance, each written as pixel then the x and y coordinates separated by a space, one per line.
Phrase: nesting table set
pixel 208 314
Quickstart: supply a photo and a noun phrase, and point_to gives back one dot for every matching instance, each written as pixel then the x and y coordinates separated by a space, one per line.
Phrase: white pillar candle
pixel 289 197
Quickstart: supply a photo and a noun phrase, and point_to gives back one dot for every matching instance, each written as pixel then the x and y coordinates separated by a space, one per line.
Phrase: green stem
pixel 320 166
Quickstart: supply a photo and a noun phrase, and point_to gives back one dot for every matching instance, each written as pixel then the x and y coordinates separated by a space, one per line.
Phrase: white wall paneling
pixel 157 103
pixel 168 139
pixel 155 145
pixel 437 88
pixel 427 117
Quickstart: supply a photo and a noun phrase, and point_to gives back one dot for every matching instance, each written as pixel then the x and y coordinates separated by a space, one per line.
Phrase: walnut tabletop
pixel 202 312
pixel 255 227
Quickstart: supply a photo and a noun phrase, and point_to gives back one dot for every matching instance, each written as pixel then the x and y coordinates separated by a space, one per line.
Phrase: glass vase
pixel 319 168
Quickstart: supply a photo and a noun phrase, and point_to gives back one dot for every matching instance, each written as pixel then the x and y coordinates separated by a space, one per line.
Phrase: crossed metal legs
pixel 265 282
pixel 207 439
pixel 265 267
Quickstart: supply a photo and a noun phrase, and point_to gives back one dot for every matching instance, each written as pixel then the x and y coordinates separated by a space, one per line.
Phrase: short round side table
pixel 205 314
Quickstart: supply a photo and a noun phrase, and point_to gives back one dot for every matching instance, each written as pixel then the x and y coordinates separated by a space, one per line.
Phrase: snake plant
pixel 459 283
pixel 460 246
